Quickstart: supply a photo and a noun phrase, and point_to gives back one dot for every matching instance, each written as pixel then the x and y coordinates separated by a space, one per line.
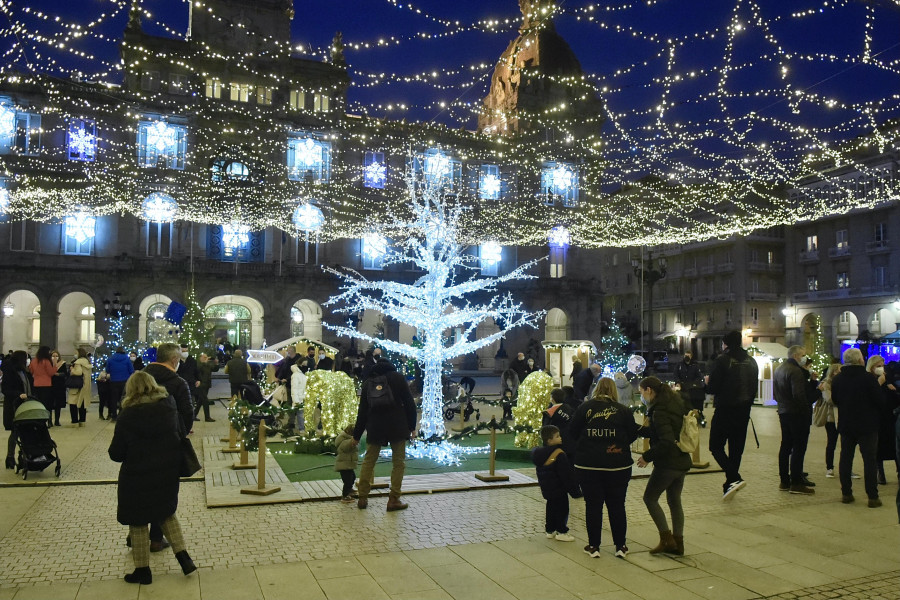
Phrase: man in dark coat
pixel 326 363
pixel 187 370
pixel 733 381
pixel 858 397
pixel 689 377
pixel 392 424
pixel 238 372
pixel 520 366
pixel 205 368
pixel 308 363
pixel 584 381
pixel 790 384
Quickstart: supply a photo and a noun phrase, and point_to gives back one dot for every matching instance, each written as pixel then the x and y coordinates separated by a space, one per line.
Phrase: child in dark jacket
pixel 557 481
pixel 345 461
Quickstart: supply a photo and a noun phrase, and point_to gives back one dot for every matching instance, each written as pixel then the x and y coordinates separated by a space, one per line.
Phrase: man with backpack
pixel 733 381
pixel 387 413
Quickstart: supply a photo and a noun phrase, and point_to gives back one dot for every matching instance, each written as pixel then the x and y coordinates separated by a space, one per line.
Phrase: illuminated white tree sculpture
pixel 434 304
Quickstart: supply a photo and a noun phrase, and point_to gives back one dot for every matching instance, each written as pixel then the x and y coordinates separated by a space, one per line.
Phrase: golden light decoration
pixel 533 400
pixel 335 392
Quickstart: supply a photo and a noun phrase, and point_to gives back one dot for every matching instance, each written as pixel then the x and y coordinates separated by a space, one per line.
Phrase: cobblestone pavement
pixel 63 542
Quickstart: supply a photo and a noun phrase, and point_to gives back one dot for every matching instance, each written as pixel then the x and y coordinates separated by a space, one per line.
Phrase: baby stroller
pixel 251 393
pixel 462 394
pixel 37 450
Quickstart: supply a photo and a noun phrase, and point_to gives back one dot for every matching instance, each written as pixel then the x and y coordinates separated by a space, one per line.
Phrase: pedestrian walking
pixel 80 398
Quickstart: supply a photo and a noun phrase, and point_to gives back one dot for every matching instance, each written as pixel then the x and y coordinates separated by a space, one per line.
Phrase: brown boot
pixel 666 543
pixel 679 545
pixel 395 504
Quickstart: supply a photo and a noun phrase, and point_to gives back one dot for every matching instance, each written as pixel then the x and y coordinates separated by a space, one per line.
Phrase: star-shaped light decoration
pixel 490 187
pixel 375 174
pixel 161 137
pixel 559 237
pixel 308 217
pixel 81 226
pixel 235 235
pixel 159 208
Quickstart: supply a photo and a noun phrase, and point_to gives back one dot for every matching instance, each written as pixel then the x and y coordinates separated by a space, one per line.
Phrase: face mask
pixel 55 357
pixel 185 354
pixel 27 361
pixel 132 358
pixel 879 371
pixel 530 363
pixel 687 360
pixel 644 400
pixel 803 361
pixel 321 356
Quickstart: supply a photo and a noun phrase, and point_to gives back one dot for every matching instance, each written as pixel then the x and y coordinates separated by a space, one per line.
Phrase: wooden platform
pixel 223 483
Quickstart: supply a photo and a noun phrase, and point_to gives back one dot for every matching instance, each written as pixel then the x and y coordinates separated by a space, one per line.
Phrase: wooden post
pixel 228 437
pixel 261 489
pixel 244 462
pixel 491 476
pixel 232 446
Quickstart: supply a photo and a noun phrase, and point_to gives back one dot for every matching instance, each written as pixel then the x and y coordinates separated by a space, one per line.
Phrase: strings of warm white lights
pixel 719 155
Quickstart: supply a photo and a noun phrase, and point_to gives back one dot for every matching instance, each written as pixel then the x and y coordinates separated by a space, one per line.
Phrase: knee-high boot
pixel 73 412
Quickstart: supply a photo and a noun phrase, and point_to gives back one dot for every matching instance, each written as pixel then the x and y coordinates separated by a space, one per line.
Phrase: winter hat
pixel 733 340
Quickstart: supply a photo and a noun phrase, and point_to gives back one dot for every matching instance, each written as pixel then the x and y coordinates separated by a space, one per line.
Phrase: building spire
pixel 134 16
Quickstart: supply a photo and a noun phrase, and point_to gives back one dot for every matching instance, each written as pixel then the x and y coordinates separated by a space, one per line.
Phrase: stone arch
pixel 881 322
pixel 246 332
pixel 309 325
pixel 487 354
pixel 77 322
pixel 143 312
pixel 556 326
pixel 21 321
pixel 846 326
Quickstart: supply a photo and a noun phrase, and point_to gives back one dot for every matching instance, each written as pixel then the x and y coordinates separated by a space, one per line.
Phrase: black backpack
pixel 379 394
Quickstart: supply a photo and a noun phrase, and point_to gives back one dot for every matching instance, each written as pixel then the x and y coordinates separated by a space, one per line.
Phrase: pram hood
pixel 31 410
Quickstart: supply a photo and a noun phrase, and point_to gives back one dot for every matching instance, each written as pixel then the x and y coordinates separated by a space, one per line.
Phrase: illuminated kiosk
pixel 558 358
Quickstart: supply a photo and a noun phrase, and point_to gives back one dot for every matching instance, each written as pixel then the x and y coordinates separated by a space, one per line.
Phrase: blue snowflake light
pixel 489 188
pixel 375 246
pixel 81 140
pixel 308 217
pixel 159 208
pixel 374 171
pixel 559 237
pixel 491 253
pixel 81 227
pixel 7 120
pixel 4 200
pixel 162 138
pixel 235 235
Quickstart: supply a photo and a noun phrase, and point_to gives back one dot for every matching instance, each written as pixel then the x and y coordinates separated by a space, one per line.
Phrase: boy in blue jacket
pixel 557 481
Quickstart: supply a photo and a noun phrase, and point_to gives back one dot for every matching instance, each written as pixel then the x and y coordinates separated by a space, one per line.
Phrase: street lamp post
pixel 649 275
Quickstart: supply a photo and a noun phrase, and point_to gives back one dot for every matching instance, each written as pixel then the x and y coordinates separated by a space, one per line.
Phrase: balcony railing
pixel 725 267
pixel 809 256
pixel 839 252
pixel 707 269
pixel 690 271
pixel 878 247
pixel 762 296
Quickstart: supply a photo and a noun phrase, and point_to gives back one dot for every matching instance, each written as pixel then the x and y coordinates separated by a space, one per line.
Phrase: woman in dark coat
pixel 147 441
pixel 58 394
pixel 16 388
pixel 665 413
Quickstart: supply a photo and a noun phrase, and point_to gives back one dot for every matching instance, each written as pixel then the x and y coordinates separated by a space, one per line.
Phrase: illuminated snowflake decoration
pixel 308 217
pixel 4 201
pixel 308 153
pixel 159 208
pixel 7 120
pixel 82 143
pixel 491 253
pixel 81 227
pixel 375 174
pixel 161 137
pixel 490 187
pixel 563 179
pixel 559 237
pixel 437 166
pixel 235 235
pixel 375 245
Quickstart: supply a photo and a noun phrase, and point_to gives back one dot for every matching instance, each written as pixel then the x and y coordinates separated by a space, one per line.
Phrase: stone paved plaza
pixel 61 541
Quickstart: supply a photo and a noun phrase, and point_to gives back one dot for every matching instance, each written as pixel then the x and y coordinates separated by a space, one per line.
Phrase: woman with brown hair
pixel 147 441
pixel 665 414
pixel 42 369
pixel 80 398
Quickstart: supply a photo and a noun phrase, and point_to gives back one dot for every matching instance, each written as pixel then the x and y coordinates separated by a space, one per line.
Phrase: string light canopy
pixel 705 124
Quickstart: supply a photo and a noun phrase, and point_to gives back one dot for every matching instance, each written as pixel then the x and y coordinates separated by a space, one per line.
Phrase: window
pixel 841 241
pixel 161 144
pixel 34 328
pixel 711 315
pixel 81 140
pixel 559 182
pixel 321 103
pixel 214 88
pixel 489 182
pixel 373 248
pixel 296 322
pixel 728 315
pixel 374 170
pixel 880 277
pixel 159 238
pixel 150 81
pixel 240 92
pixel 178 84
pixel 615 259
pixel 490 253
pixel 662 322
pixel 20 132
pixel 754 315
pixel 86 324
pixel 298 100
pixel 23 236
pixel 79 231
pixel 695 317
pixel 309 160
pixel 558 261
pixel 440 170
pixel 812 283
pixel 881 234
pixel 754 285
pixel 726 286
pixel 770 257
pixel 264 95
pixel 224 169
pixel 812 243
pixel 843 280
pixel 234 242
pixel 844 318
pixel 679 317
pixel 754 255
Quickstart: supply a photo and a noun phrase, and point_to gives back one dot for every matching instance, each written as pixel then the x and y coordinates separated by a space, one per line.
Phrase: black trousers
pixel 729 426
pixel 868 449
pixel 348 477
pixel 609 488
pixel 794 438
pixel 201 399
pixel 831 435
pixel 116 390
pixel 557 515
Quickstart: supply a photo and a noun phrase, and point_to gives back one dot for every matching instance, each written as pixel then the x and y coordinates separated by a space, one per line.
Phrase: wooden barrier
pixel 261 488
pixel 491 476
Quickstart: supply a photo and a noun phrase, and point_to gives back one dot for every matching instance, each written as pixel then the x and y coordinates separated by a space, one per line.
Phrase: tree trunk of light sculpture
pixel 435 304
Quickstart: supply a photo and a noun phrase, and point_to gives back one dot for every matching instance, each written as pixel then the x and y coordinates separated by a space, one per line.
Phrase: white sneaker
pixel 565 537
pixel 829 473
pixel 550 535
pixel 854 475
pixel 733 489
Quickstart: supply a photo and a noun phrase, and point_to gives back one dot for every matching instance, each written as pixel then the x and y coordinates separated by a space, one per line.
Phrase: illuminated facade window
pixel 558 240
pixel 240 92
pixel 559 183
pixel 373 249
pixel 234 242
pixel 81 140
pixel 80 230
pixel 843 280
pixel 489 183
pixel 20 132
pixel 440 170
pixel 150 81
pixel 298 99
pixel 374 170
pixel 178 84
pixel 490 255
pixel 161 144
pixel 224 169
pixel 309 160
pixel 214 87
pixel 321 103
pixel 264 95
